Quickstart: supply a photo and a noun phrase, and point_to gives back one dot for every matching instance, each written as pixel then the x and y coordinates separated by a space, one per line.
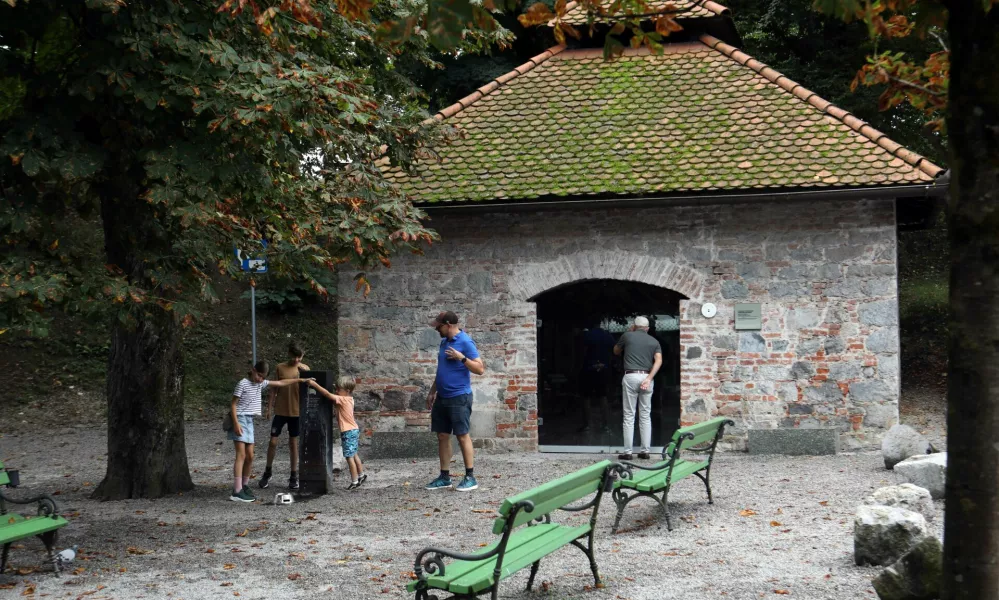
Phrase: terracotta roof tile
pixel 576 14
pixel 699 117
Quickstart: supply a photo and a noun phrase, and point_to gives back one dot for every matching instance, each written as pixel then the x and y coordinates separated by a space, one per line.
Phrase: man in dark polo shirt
pixel 450 399
pixel 642 358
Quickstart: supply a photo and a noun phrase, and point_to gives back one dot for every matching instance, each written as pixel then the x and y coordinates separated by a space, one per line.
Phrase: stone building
pixel 587 191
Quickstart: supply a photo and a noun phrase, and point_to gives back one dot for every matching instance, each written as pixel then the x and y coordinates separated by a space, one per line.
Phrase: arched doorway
pixel 579 396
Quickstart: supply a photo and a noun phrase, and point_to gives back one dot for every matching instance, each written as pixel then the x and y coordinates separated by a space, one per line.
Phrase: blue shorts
pixel 452 415
pixel 246 422
pixel 348 441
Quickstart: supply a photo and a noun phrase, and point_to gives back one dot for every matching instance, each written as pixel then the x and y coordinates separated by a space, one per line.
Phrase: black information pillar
pixel 316 415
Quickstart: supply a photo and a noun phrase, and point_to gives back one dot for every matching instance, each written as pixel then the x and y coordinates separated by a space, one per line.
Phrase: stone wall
pixel 825 273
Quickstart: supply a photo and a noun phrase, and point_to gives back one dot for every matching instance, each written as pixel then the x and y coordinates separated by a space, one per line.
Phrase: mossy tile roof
pixel 702 117
pixel 576 14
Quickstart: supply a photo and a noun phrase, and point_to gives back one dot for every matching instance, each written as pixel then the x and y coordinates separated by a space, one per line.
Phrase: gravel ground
pixel 795 543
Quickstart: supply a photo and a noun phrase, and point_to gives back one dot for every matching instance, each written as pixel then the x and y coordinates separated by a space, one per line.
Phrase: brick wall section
pixel 825 273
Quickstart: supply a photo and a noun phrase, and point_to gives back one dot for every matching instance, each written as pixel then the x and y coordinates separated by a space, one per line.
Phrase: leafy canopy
pixel 182 129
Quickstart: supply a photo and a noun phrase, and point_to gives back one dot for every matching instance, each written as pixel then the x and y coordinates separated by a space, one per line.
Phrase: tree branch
pixel 940 39
pixel 916 86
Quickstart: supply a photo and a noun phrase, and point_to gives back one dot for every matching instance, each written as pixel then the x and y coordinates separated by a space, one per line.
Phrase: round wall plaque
pixel 709 310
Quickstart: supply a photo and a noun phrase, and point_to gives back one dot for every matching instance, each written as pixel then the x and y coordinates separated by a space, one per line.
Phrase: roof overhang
pixel 901 192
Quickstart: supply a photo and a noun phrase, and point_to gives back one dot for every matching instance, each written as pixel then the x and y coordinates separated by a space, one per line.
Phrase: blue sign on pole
pixel 252 262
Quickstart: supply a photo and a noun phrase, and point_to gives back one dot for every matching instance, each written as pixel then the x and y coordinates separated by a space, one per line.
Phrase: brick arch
pixel 531 279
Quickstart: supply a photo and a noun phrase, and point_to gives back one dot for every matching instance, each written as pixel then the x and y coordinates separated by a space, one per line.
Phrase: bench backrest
pixel 704 432
pixel 4 480
pixel 553 495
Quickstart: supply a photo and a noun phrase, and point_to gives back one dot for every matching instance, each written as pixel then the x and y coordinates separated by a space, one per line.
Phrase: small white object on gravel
pixel 882 534
pixel 907 496
pixel 928 472
pixel 900 443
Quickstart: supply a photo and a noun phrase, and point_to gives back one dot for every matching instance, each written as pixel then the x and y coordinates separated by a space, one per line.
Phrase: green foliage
pixel 282 295
pixel 823 53
pixel 184 131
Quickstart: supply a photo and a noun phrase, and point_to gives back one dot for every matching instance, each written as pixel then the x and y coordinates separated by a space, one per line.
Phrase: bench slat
pixel 15 527
pixel 702 432
pixel 647 481
pixel 522 550
pixel 4 479
pixel 553 495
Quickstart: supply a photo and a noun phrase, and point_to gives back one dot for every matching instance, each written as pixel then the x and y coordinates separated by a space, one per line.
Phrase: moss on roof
pixel 690 120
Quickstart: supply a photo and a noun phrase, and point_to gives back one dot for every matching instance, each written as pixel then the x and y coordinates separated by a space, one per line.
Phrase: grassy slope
pixel 61 378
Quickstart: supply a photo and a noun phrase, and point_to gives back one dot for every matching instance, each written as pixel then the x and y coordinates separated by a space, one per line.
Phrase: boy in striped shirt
pixel 246 405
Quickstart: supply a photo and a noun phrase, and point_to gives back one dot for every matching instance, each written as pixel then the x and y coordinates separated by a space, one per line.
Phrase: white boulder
pixel 882 534
pixel 900 443
pixel 929 472
pixel 907 496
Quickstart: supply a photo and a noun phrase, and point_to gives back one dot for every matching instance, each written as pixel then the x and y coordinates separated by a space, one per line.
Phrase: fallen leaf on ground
pixel 824 503
pixel 293 576
pixel 775 523
pixel 226 584
pixel 482 510
pixel 29 591
pixel 228 566
pixel 243 533
pixel 782 592
pixel 26 570
pixel 134 550
pixel 748 512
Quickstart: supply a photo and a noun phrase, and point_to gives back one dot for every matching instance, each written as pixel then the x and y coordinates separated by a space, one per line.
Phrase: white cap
pixel 641 322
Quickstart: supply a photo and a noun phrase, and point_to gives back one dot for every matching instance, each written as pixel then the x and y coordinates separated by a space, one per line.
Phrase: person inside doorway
pixel 595 379
pixel 285 412
pixel 643 356
pixel 450 399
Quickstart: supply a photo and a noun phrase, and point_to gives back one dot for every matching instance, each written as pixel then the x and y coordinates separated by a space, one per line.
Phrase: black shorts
pixel 279 422
pixel 452 415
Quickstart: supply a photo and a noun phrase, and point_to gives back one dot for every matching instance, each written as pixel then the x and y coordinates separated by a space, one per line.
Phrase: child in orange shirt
pixel 349 432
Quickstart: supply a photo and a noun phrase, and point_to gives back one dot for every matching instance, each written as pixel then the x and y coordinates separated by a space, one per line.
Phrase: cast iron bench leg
pixel 534 571
pixel 48 539
pixel 705 479
pixel 3 559
pixel 593 561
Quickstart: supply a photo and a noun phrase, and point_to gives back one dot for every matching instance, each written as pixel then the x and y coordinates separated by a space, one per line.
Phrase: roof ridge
pixel 495 84
pixel 862 127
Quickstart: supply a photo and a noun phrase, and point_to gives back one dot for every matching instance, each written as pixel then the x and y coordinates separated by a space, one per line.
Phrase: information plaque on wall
pixel 748 317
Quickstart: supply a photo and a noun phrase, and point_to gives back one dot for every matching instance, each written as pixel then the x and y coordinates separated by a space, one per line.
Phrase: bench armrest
pixel 430 561
pixel 47 506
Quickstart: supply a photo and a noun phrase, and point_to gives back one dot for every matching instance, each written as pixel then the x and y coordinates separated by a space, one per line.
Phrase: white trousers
pixel 632 394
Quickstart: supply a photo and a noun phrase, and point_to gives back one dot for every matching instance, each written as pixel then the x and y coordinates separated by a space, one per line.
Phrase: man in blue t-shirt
pixel 450 399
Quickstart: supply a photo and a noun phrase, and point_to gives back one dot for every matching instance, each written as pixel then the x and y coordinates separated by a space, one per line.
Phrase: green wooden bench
pixel 471 575
pixel 13 527
pixel 648 481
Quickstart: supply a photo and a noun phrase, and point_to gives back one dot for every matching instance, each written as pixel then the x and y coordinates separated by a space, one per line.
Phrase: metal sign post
pixel 256 264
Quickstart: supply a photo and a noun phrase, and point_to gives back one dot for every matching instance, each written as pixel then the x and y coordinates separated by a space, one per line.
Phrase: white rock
pixel 907 496
pixel 929 471
pixel 882 534
pixel 900 443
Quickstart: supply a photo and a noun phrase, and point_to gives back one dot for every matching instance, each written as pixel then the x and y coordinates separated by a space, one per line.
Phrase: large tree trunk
pixel 147 457
pixel 971 536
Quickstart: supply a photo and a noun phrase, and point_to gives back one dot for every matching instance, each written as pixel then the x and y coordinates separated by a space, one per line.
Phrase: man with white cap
pixel 642 358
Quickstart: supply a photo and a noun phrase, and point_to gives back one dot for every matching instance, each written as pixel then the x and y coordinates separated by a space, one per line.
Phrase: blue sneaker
pixel 467 484
pixel 441 483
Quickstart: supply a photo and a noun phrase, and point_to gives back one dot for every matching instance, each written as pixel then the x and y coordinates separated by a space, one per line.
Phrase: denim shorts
pixel 451 415
pixel 348 442
pixel 246 423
